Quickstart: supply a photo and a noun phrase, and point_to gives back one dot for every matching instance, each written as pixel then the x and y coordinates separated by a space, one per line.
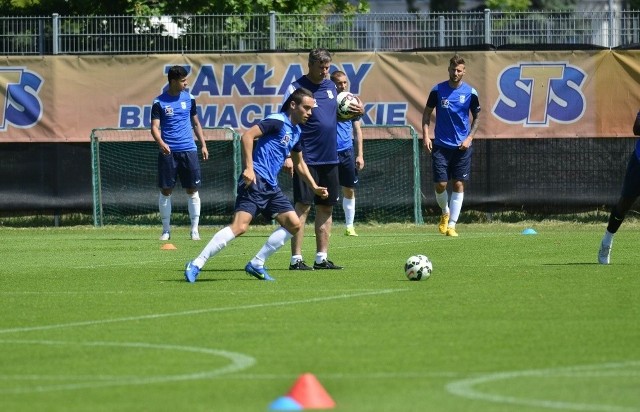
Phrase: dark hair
pixel 336 74
pixel 176 73
pixel 456 60
pixel 296 97
pixel 319 55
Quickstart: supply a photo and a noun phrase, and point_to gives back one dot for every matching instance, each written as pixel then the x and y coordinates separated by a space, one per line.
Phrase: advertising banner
pixel 523 94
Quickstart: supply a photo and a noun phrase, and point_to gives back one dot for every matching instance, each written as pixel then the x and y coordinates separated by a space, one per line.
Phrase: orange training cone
pixel 309 393
pixel 168 246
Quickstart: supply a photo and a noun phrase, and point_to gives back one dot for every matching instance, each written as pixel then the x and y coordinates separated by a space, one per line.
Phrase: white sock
pixel 215 245
pixel 278 238
pixel 194 210
pixel 443 201
pixel 295 259
pixel 164 205
pixel 456 206
pixel 607 240
pixel 320 256
pixel 349 207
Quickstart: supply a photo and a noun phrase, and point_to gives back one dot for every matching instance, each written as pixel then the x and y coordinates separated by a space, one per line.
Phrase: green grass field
pixel 102 320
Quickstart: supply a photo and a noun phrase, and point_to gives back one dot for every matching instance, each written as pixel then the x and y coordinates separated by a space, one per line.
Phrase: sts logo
pixel 533 94
pixel 21 107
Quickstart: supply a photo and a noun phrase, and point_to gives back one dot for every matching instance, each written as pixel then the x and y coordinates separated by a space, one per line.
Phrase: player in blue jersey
pixel 451 149
pixel 265 146
pixel 173 122
pixel 349 132
pixel 630 193
pixel 319 141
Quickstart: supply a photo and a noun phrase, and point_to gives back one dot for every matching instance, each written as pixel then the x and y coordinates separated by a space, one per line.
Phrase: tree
pixel 177 7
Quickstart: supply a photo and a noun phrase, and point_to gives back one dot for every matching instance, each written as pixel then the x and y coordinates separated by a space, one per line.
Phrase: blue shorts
pixel 631 185
pixel 179 164
pixel 450 164
pixel 325 176
pixel 347 168
pixel 261 198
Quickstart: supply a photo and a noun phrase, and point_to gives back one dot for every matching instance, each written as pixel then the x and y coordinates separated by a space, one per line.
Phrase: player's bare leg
pixel 323 223
pixel 297 262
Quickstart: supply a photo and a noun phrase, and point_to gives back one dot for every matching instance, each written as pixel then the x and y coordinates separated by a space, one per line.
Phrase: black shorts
pixel 183 164
pixel 261 198
pixel 631 185
pixel 450 164
pixel 347 169
pixel 325 176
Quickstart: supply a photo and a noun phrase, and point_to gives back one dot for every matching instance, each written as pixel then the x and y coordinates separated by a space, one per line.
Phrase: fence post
pixel 611 24
pixel 441 28
pixel 41 36
pixel 487 26
pixel 56 33
pixel 417 192
pixel 272 30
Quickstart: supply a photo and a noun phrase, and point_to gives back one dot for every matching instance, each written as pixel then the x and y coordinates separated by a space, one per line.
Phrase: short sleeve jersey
pixel 175 114
pixel 279 138
pixel 452 112
pixel 319 134
pixel 345 135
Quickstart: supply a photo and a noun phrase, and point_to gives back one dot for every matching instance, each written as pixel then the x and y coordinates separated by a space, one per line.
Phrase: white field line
pixel 466 388
pixel 238 362
pixel 195 312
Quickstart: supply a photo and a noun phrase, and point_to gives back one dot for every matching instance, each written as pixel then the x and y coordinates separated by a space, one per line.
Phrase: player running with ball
pixel 276 137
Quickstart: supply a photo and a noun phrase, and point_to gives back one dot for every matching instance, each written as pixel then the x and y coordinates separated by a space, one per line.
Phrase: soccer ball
pixel 344 100
pixel 418 267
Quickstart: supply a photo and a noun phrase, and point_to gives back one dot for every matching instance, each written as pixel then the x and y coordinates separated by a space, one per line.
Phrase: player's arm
pixel 426 118
pixel 288 164
pixel 636 125
pixel 156 112
pixel 475 114
pixel 359 144
pixel 197 129
pixel 303 171
pixel 247 139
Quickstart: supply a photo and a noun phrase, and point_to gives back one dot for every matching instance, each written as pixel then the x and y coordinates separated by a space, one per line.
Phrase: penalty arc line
pixel 195 312
pixel 466 388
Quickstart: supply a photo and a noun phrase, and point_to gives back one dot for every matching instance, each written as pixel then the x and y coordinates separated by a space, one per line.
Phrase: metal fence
pixel 270 32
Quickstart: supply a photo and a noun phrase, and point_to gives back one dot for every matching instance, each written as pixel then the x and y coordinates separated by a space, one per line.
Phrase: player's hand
pixel 359 162
pixel 165 149
pixel 249 177
pixel 288 166
pixel 205 153
pixel 356 107
pixel 426 142
pixel 322 192
pixel 465 145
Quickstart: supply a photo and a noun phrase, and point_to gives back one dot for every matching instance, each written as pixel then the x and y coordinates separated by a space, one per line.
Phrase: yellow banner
pixel 522 93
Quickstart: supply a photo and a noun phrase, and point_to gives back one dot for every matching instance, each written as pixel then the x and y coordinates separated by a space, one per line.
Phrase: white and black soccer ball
pixel 418 267
pixel 344 100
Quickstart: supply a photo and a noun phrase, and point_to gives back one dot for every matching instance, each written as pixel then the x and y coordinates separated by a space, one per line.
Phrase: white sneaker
pixel 166 235
pixel 604 254
pixel 195 235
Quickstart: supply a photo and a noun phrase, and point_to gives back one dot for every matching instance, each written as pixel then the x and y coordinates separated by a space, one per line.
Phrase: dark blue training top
pixel 319 137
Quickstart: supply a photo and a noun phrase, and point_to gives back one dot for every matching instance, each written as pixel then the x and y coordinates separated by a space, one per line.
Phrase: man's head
pixel 319 64
pixel 456 69
pixel 298 106
pixel 340 79
pixel 177 77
